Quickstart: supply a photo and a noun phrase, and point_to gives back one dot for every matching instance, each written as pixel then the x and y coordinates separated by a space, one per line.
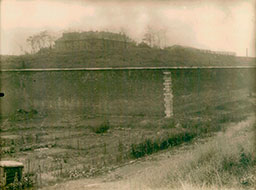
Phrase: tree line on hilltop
pixel 45 40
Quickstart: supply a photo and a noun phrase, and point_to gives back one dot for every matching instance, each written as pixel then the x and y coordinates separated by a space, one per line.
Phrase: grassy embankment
pixel 176 56
pixel 226 161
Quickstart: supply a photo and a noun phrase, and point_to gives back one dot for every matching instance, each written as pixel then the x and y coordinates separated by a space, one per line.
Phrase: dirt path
pixel 146 172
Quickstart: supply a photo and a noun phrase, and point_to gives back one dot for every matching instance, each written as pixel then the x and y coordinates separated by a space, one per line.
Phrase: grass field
pixel 224 160
pixel 74 147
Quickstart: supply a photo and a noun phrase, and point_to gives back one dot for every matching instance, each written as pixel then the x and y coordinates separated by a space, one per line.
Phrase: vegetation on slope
pixel 224 161
pixel 102 147
pixel 136 56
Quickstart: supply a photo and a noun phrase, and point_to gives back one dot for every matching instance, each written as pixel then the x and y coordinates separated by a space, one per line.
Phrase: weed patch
pixel 104 127
pixel 192 129
pixel 150 146
pixel 22 114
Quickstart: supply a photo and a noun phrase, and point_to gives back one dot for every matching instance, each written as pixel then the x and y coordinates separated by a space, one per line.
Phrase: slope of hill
pixel 136 56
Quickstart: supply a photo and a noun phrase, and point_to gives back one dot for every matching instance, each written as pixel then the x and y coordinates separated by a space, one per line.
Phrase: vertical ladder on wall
pixel 168 96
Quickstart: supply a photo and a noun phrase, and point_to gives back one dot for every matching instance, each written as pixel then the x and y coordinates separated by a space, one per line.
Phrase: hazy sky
pixel 227 25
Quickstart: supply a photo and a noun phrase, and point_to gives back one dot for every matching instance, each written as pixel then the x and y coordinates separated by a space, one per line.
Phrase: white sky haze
pixel 210 24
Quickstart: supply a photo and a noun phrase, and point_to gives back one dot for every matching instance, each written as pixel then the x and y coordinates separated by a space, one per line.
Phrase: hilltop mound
pixel 136 56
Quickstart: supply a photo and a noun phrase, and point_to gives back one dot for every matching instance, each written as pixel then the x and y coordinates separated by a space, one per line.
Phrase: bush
pixel 104 127
pixel 22 114
pixel 192 128
pixel 150 146
pixel 26 182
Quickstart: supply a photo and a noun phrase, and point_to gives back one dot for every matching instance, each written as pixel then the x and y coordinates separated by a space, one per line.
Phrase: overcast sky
pixel 225 25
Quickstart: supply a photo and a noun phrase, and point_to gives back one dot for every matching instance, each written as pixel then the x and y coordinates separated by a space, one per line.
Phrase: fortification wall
pixel 123 92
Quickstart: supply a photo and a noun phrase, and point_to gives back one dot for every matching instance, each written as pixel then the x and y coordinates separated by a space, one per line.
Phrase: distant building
pixel 205 51
pixel 76 41
pixel 227 53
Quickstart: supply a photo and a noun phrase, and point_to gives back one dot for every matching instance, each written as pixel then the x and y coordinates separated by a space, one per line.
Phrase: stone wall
pixel 140 93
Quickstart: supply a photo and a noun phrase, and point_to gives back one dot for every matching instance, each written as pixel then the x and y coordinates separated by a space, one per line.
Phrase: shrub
pixel 192 128
pixel 26 182
pixel 149 146
pixel 245 159
pixel 104 127
pixel 22 114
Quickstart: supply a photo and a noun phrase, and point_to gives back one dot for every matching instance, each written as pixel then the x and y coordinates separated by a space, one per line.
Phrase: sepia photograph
pixel 127 94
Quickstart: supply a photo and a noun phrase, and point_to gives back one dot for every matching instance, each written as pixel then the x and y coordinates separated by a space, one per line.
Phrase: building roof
pixel 11 164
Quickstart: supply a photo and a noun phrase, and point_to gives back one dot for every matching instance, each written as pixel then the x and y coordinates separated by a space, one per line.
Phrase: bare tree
pixel 164 38
pixel 124 36
pixel 161 38
pixel 41 40
pixel 149 36
pixel 155 38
